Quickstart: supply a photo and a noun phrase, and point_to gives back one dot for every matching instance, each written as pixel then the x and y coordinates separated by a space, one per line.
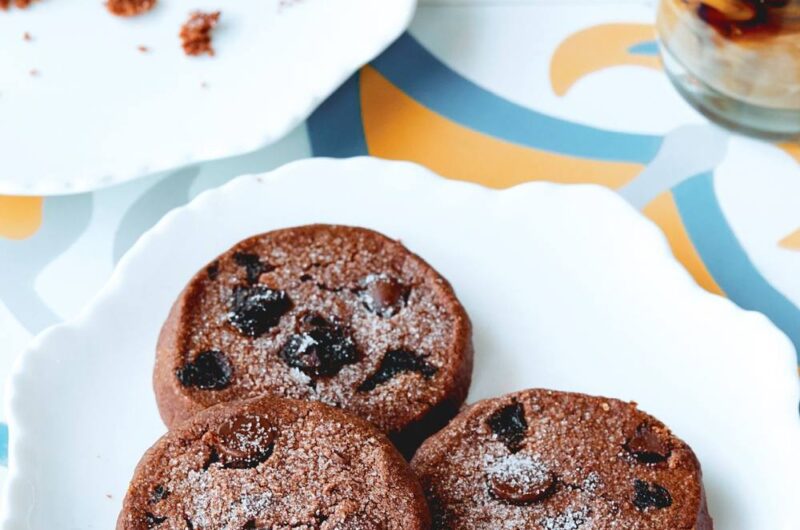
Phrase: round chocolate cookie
pixel 548 460
pixel 336 314
pixel 274 463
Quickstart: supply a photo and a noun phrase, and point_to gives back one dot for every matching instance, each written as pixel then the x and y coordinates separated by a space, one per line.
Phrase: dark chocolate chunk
pixel 153 521
pixel 158 494
pixel 244 441
pixel 210 370
pixel 520 479
pixel 213 458
pixel 509 425
pixel 256 310
pixel 213 271
pixel 646 446
pixel 650 495
pixel 395 362
pixel 383 295
pixel 253 265
pixel 321 349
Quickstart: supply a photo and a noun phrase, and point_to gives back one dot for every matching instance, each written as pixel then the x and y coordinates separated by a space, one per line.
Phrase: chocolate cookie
pixel 335 314
pixel 548 460
pixel 274 463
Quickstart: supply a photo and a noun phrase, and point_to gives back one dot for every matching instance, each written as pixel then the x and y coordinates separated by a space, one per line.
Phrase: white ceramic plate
pixel 101 112
pixel 568 288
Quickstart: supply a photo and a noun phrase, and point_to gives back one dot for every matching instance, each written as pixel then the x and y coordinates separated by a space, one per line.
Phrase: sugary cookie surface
pixel 558 461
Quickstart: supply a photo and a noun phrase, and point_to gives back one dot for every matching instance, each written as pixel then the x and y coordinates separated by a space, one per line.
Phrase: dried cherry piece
pixel 395 362
pixel 256 310
pixel 646 446
pixel 321 348
pixel 383 295
pixel 650 495
pixel 520 479
pixel 509 425
pixel 210 370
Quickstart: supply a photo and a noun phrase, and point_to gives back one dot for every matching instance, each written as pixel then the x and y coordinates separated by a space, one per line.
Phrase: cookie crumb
pixel 27 37
pixel 196 33
pixel 129 8
pixel 143 49
pixel 34 72
pixel 22 4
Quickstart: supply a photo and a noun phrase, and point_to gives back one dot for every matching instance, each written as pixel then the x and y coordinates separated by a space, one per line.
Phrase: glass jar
pixel 737 61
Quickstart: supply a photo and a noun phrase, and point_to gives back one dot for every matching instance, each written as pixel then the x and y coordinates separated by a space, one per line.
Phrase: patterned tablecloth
pixel 493 92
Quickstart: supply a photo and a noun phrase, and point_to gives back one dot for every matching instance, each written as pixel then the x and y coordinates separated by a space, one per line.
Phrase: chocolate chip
pixel 646 446
pixel 509 425
pixel 650 495
pixel 395 362
pixel 309 321
pixel 212 458
pixel 253 265
pixel 383 295
pixel 213 271
pixel 520 479
pixel 244 441
pixel 320 349
pixel 153 520
pixel 256 310
pixel 158 494
pixel 210 370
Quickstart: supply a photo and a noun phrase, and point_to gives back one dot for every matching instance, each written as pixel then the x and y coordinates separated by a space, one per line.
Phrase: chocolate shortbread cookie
pixel 335 314
pixel 274 463
pixel 548 460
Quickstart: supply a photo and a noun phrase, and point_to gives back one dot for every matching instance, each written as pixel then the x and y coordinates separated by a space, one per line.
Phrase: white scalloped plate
pixel 568 287
pixel 101 112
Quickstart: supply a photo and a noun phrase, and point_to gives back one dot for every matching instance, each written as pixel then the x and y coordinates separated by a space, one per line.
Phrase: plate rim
pixel 61 184
pixel 18 492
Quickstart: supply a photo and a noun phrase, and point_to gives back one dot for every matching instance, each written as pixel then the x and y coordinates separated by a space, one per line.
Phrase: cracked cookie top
pixel 274 463
pixel 548 460
pixel 341 315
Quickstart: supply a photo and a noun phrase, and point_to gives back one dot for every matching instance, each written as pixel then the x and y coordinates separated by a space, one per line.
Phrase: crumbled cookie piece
pixel 129 8
pixel 196 33
pixel 21 4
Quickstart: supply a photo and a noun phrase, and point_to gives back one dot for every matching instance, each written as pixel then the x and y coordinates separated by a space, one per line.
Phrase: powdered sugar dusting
pixel 518 470
pixel 571 519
